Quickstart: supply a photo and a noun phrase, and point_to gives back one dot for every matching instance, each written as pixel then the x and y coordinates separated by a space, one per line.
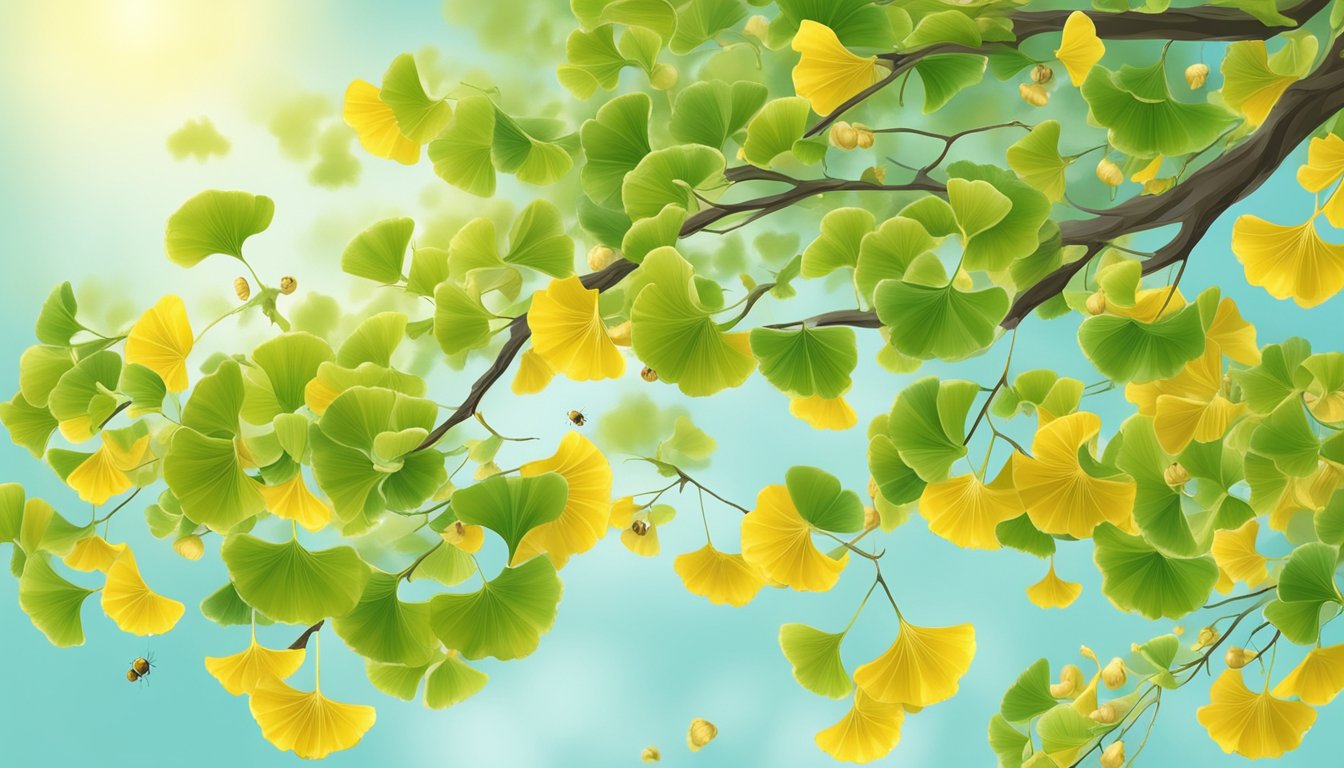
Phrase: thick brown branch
pixel 302 641
pixel 1198 23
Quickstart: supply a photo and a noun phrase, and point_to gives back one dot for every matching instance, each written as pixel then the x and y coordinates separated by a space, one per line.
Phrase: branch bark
pixel 1198 23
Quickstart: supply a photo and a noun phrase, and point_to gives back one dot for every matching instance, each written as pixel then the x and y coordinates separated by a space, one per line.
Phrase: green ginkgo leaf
pixel 538 241
pixel 419 117
pixel 896 481
pixel 1036 160
pixel 674 334
pixel 11 512
pixel 290 584
pixel 1136 577
pixel 1120 281
pixel 775 129
pixel 815 656
pixel 652 233
pixel 1007 742
pixel 52 603
pixel 1156 658
pixel 1300 621
pixel 519 150
pixel 462 154
pixel 1275 379
pixel 592 61
pixel 1287 438
pixel 360 415
pixel 1136 107
pixel 289 362
pixel 927 425
pixel 429 267
pixel 505 618
pixel 701 20
pixel 943 322
pixel 226 608
pixel 822 502
pixel 976 205
pixel 614 142
pixel 56 323
pixel 215 222
pixel 28 425
pixel 347 476
pixel 670 177
pixel 858 23
pixel 1309 575
pixel 1017 234
pixel 945 76
pixel 807 361
pixel 379 252
pixel 208 479
pixel 1029 696
pixel 45 530
pixel 373 341
pixel 885 253
pixel 446 565
pixel 460 321
pixel 396 680
pixel 79 387
pixel 216 402
pixel 1125 349
pixel 1063 729
pixel 40 367
pixel 943 27
pixel 656 15
pixel 145 388
pixel 382 627
pixel 712 111
pixel 837 246
pixel 452 681
pixel 512 506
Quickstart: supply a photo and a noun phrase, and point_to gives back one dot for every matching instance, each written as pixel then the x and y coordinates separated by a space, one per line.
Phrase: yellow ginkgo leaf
pixel 1325 166
pixel 1234 552
pixel 129 602
pixel 1060 496
pixel 870 730
pixel 104 473
pixel 467 538
pixel 587 509
pixel 1318 679
pixel 93 553
pixel 827 73
pixel 568 332
pixel 293 500
pixel 1253 725
pixel 1080 49
pixel 721 577
pixel 161 340
pixel 1054 592
pixel 1289 262
pixel 77 430
pixel 1233 335
pixel 376 125
pixel 778 541
pixel 922 667
pixel 1151 304
pixel 823 413
pixel 1148 172
pixel 245 671
pixel 966 511
pixel 308 723
pixel 1199 413
pixel 534 373
pixel 643 541
pixel 622 512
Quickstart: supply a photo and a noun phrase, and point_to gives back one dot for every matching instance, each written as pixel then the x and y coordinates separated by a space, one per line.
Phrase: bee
pixel 140 668
pixel 577 418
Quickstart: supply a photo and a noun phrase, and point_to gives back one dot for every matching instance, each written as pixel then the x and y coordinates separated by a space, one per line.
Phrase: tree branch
pixel 1198 23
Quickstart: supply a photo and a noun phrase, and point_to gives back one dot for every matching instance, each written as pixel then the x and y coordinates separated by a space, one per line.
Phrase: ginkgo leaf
pixel 568 332
pixel 1234 552
pixel 93 553
pixel 1029 696
pixel 822 502
pixel 776 539
pixel 837 245
pixel 815 656
pixel 723 578
pixel 1036 160
pixel 1290 262
pixel 462 153
pixel 586 510
pixel 822 413
pixel 52 603
pixel 939 321
pixel 289 361
pixel 869 731
pixel 1250 724
pixel 161 340
pixel 1137 577
pixel 1253 80
pixel 614 141
pixel 966 511
pixel 1060 495
pixel 1325 165
pixel 307 723
pixel 807 361
pixel 206 475
pixel 505 618
pixel 1142 118
pixel 710 112
pixel 104 473
pixel 247 670
pixel 512 506
pixel 129 602
pixel 376 124
pixel 534 373
pixel 1080 49
pixel 215 222
pixel 385 628
pixel 927 425
pixel 922 667
pixel 1317 679
pixel 827 73
pixel 379 252
pixel 452 681
pixel 418 116
pixel 288 583
pixel 1053 592
pixel 293 500
pixel 671 176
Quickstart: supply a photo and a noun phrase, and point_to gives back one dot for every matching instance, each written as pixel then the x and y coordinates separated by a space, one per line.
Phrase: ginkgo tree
pixel 939 171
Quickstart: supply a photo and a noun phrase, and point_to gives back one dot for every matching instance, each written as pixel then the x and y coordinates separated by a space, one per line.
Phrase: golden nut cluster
pixel 1034 94
pixel 288 285
pixel 1041 74
pixel 1114 755
pixel 1110 173
pixel 1176 475
pixel 849 136
pixel 1237 657
pixel 1207 636
pixel 1196 75
pixel 242 288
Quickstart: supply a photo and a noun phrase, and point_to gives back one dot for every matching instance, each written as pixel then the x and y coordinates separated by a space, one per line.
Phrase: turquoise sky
pixel 92 92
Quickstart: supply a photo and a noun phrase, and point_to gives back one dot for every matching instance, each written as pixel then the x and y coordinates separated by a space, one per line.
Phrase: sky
pixel 93 90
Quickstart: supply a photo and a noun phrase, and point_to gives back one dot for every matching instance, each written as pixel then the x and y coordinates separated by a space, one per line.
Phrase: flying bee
pixel 577 418
pixel 140 668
